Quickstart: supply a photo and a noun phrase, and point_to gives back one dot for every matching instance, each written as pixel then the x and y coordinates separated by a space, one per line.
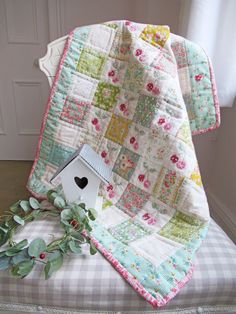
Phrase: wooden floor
pixel 13 178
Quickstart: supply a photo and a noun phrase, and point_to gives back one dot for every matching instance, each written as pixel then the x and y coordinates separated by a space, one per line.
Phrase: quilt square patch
pixel 97 121
pixel 67 133
pixel 101 36
pixel 136 139
pixel 163 248
pixel 158 144
pixel 134 76
pixel 120 48
pixel 181 158
pixel 156 35
pixel 106 96
pixel 132 200
pixel 145 110
pixel 181 228
pixel 114 71
pixel 126 163
pixel 109 151
pixel 127 231
pixel 179 49
pixel 113 191
pixel 74 111
pixel 167 186
pixel 126 104
pixel 59 153
pixel 91 63
pixel 118 129
pixel 82 87
pixel 145 175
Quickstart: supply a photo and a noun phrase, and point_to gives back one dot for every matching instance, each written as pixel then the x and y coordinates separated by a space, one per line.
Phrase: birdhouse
pixel 81 175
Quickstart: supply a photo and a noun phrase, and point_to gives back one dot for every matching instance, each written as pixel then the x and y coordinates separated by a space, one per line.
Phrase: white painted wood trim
pixel 48 64
pixel 221 215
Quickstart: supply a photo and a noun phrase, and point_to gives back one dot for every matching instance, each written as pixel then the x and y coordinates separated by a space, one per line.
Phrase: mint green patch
pixel 59 153
pixel 91 63
pixel 128 231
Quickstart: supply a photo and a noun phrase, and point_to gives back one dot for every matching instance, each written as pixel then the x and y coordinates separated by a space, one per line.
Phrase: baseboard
pixel 222 215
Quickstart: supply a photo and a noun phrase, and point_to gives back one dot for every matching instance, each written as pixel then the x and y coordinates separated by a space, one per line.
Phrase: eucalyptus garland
pixel 20 258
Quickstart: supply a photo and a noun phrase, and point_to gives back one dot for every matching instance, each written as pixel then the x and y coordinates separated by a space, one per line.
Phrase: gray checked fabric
pixel 90 284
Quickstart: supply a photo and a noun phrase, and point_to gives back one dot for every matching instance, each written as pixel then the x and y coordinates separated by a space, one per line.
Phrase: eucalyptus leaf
pixel 59 202
pixel 93 212
pixel 36 247
pixel 3 237
pixel 4 229
pixel 4 262
pixel 25 267
pixel 19 220
pixel 93 249
pixel 25 205
pixel 66 216
pixel 55 261
pixel 15 207
pixel 78 236
pixel 75 247
pixel 3 253
pixel 82 205
pixel 20 257
pixel 16 248
pixel 14 271
pixel 51 195
pixel 34 203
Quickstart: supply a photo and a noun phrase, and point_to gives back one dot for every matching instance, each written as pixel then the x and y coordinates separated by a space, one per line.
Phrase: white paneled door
pixel 24 34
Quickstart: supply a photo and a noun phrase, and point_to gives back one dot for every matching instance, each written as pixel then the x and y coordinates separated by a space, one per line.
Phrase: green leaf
pixel 14 271
pixel 92 214
pixel 19 220
pixel 78 236
pixel 25 205
pixel 20 257
pixel 63 247
pixel 82 205
pixel 16 248
pixel 36 247
pixel 93 249
pixel 4 262
pixel 15 207
pixel 34 203
pixel 55 261
pixel 3 253
pixel 3 237
pixel 75 247
pixel 66 216
pixel 25 267
pixel 59 202
pixel 51 195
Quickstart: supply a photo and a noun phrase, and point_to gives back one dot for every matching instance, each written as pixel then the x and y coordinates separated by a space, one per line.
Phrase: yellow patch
pixel 117 129
pixel 196 177
pixel 156 35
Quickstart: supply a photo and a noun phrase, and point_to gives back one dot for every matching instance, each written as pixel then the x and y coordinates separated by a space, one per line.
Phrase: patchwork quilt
pixel 136 93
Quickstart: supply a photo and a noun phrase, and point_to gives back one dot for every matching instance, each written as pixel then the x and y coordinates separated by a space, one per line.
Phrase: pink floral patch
pixel 167 126
pixel 174 158
pixel 181 164
pixel 198 77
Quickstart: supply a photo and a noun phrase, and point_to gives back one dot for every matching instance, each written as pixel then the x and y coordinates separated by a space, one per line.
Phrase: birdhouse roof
pixel 91 159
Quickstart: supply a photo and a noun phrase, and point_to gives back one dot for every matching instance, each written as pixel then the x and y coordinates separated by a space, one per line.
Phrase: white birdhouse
pixel 81 175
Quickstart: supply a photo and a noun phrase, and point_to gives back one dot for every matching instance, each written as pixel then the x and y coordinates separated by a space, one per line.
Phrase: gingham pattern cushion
pixel 90 282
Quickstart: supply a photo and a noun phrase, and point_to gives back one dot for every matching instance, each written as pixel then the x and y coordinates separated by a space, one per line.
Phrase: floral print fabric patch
pixel 135 93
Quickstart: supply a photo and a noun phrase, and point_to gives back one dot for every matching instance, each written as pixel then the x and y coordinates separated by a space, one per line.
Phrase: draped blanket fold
pixel 136 93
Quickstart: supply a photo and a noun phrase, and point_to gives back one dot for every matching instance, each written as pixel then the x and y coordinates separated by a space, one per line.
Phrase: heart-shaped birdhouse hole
pixel 81 182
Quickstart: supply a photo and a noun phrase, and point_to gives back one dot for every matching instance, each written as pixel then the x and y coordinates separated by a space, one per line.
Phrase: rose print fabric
pixel 136 93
